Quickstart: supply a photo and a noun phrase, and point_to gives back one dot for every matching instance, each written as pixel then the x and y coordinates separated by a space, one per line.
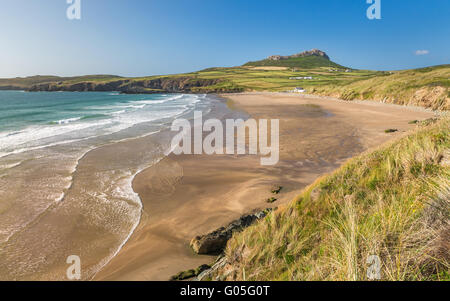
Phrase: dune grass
pixel 392 203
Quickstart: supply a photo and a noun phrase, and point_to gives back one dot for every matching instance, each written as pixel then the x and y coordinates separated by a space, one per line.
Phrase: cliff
pixel 184 84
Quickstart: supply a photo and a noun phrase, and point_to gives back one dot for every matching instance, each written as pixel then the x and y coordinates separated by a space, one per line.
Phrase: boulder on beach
pixel 215 242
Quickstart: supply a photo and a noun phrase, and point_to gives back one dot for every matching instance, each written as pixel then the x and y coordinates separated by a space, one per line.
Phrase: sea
pixel 67 162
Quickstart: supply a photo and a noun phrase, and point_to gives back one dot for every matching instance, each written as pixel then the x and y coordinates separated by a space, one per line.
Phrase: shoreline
pixel 159 246
pixel 85 203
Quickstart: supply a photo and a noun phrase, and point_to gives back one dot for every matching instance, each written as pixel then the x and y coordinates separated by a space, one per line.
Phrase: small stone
pixel 271 200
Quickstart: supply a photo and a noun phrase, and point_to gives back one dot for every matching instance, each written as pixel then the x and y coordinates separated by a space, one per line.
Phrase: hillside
pixel 25 83
pixel 305 60
pixel 392 202
pixel 426 87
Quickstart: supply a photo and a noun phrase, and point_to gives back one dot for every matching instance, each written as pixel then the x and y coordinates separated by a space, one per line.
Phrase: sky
pixel 150 37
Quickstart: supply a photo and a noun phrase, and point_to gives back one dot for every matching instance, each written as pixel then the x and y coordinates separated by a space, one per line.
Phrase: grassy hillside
pixel 27 82
pixel 261 79
pixel 427 87
pixel 392 202
pixel 299 62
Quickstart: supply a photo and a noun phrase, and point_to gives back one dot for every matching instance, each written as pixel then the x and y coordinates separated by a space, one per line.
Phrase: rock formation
pixel 215 242
pixel 314 52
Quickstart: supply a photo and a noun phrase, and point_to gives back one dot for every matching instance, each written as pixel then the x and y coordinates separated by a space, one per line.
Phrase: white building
pixel 299 90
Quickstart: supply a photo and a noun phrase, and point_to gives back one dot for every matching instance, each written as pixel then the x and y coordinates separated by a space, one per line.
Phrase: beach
pixel 188 195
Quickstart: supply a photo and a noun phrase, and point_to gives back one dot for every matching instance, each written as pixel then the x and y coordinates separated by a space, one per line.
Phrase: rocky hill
pixel 313 52
pixel 314 58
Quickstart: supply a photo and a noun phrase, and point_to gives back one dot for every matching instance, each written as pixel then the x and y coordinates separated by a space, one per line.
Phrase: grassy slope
pixel 392 202
pixel 427 87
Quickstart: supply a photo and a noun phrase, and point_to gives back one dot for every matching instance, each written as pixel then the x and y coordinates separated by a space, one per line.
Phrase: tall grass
pixel 392 203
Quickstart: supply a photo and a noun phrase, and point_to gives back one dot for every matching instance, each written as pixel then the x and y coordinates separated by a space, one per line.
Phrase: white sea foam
pixel 117 113
pixel 76 129
pixel 69 120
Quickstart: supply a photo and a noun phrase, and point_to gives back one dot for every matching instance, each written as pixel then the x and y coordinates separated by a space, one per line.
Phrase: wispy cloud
pixel 422 52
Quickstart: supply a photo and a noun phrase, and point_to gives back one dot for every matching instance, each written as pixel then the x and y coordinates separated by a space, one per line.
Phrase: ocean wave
pixel 117 113
pixel 93 125
pixel 10 165
pixel 67 121
pixel 94 116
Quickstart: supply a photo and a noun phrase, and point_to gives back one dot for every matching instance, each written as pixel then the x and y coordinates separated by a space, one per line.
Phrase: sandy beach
pixel 187 195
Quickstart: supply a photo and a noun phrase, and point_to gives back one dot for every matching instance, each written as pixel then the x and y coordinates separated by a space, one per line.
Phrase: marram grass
pixel 392 202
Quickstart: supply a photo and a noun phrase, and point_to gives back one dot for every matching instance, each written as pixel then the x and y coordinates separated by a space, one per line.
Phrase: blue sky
pixel 146 37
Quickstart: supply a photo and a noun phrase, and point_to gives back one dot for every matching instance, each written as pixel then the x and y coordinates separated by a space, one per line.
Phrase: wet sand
pixel 186 195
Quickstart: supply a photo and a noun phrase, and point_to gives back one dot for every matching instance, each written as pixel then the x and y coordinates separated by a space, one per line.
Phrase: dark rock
pixel 216 241
pixel 190 273
pixel 184 275
pixel 390 131
pixel 276 189
pixel 208 273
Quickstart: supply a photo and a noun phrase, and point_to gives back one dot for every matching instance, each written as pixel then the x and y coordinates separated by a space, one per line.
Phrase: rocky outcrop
pixel 313 52
pixel 189 274
pixel 156 85
pixel 215 242
pixel 10 87
pixel 209 274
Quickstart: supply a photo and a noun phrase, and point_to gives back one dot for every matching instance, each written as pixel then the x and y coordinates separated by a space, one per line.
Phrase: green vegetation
pixel 390 131
pixel 271 200
pixel 427 87
pixel 392 202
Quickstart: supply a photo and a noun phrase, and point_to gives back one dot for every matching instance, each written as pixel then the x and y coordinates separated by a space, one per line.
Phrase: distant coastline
pixel 312 71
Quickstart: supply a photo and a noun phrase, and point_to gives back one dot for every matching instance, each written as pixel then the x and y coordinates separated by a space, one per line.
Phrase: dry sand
pixel 186 195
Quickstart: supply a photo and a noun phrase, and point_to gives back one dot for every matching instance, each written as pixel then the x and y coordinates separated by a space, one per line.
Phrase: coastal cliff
pixel 183 84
